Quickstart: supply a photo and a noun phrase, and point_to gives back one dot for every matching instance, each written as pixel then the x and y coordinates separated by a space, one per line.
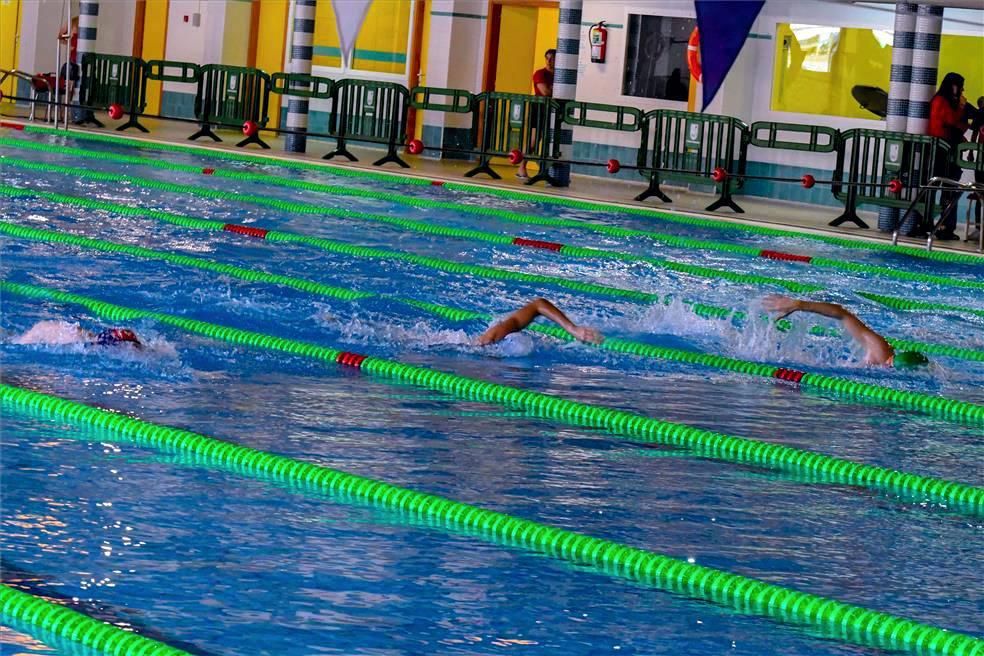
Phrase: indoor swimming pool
pixel 328 316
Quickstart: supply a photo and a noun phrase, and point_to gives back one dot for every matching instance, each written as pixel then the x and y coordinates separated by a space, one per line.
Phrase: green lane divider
pixel 308 208
pixel 205 151
pixel 847 622
pixel 514 217
pixel 937 405
pixel 44 617
pixel 702 310
pixel 719 446
pixel 905 304
pixel 542 199
pixel 37 234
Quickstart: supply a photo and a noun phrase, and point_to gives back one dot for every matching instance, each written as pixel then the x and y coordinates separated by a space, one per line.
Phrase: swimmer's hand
pixel 585 334
pixel 783 304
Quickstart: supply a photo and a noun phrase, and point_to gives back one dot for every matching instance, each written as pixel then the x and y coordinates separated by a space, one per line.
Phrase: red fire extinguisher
pixel 598 38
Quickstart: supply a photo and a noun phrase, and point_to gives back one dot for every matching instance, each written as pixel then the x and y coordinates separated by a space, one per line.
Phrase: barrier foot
pixel 254 139
pixel 391 157
pixel 90 118
pixel 206 131
pixel 484 168
pixel 132 123
pixel 550 180
pixel 654 190
pixel 343 151
pixel 724 201
pixel 849 216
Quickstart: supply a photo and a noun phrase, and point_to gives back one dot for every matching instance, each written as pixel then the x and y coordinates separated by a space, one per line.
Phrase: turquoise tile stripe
pixel 365 55
pixel 611 26
pixel 457 14
pixel 764 37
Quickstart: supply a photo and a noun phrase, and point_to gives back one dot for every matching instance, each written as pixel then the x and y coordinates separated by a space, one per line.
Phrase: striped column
pixel 301 52
pixel 565 79
pixel 925 60
pixel 88 27
pixel 898 90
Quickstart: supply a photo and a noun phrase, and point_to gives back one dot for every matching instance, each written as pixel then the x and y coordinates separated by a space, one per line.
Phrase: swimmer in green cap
pixel 877 350
pixel 525 315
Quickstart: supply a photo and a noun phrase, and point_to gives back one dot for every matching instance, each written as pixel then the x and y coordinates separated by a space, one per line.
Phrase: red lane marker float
pixel 13 126
pixel 788 257
pixel 208 171
pixel 245 230
pixel 437 183
pixel 792 375
pixel 351 359
pixel 536 243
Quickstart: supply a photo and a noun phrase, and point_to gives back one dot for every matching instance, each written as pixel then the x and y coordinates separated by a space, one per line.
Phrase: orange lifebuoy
pixel 693 54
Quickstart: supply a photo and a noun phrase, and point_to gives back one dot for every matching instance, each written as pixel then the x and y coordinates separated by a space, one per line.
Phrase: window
pixel 381 47
pixel 656 57
pixel 818 66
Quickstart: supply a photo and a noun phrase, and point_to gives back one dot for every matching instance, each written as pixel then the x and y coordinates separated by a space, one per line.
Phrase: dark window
pixel 656 57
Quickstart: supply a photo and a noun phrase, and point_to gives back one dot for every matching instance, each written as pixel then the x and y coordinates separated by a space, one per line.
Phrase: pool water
pixel 216 563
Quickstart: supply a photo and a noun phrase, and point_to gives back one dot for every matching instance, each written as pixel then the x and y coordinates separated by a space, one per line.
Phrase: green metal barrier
pixel 613 117
pixel 868 160
pixel 114 79
pixel 231 95
pixel 688 147
pixel 512 121
pixel 376 112
pixel 163 70
pixel 970 156
pixel 457 101
pixel 793 136
pixel 300 85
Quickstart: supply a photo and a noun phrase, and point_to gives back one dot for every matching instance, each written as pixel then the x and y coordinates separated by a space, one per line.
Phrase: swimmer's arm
pixel 525 315
pixel 878 350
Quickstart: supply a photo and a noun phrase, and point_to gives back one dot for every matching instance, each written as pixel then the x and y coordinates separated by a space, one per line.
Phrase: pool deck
pixel 758 210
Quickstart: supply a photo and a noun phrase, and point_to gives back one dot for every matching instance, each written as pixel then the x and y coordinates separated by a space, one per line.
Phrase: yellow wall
pixel 383 42
pixel 525 33
pixel 517 44
pixel 546 36
pixel 9 38
pixel 154 42
pixel 817 66
pixel 271 44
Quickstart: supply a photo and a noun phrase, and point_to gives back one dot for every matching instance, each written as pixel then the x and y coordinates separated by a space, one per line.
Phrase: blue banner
pixel 724 25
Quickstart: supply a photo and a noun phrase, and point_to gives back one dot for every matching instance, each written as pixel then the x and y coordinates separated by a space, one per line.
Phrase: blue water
pixel 219 564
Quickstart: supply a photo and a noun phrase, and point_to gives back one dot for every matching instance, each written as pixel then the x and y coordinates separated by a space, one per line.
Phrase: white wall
pixel 747 91
pixel 41 20
pixel 456 53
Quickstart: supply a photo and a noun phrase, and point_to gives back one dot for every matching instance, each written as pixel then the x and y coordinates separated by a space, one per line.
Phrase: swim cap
pixel 114 336
pixel 908 359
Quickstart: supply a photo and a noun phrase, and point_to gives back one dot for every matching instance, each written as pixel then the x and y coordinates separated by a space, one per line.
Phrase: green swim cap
pixel 908 359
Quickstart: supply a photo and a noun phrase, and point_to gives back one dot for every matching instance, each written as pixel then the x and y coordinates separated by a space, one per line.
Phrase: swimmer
pixel 56 333
pixel 876 350
pixel 525 315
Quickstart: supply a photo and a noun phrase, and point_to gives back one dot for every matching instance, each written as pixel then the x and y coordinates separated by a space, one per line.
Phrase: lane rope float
pixel 514 217
pixel 46 618
pixel 941 406
pixel 527 196
pixel 709 444
pixel 461 233
pixel 702 310
pixel 897 303
pixel 849 623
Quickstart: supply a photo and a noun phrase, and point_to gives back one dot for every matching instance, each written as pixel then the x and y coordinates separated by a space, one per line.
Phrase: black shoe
pixel 917 233
pixel 947 236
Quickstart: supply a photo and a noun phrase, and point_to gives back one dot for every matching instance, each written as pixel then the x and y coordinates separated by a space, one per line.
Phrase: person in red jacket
pixel 543 80
pixel 947 122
